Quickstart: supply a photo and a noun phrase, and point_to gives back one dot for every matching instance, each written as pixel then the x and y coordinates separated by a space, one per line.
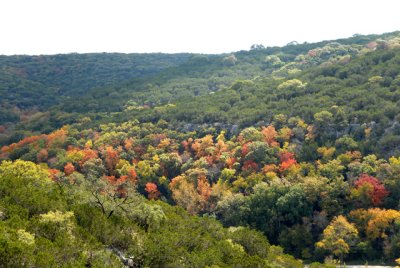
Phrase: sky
pixel 199 26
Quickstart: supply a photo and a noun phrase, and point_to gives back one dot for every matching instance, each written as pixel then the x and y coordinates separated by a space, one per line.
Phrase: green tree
pixel 29 186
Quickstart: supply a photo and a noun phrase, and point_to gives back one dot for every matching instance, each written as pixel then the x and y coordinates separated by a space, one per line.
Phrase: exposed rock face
pixel 127 261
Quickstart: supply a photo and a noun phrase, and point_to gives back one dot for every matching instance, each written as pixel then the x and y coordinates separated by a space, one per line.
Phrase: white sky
pixel 204 26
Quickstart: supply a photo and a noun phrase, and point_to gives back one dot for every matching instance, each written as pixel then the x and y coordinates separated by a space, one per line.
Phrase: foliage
pixel 79 233
pixel 338 237
pixel 369 191
pixel 290 142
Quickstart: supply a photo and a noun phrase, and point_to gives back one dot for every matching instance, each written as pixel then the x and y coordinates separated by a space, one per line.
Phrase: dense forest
pixel 272 157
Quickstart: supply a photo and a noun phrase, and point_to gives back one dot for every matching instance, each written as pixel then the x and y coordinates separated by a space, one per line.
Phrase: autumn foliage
pixel 369 189
pixel 376 223
pixel 338 237
pixel 270 135
pixel 111 158
pixel 287 160
pixel 207 174
pixel 152 191
pixel 69 169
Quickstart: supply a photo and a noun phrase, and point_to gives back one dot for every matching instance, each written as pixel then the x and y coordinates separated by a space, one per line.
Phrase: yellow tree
pixel 380 226
pixel 338 237
pixel 185 194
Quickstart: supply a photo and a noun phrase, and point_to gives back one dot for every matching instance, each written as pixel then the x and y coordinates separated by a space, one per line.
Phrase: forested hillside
pixel 190 160
pixel 34 83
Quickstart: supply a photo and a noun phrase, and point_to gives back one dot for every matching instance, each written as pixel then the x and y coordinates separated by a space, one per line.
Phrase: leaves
pixel 69 169
pixel 339 236
pixel 152 191
pixel 368 190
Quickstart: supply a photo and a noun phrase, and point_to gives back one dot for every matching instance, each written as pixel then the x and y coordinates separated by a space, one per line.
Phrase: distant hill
pixel 40 80
pixel 189 90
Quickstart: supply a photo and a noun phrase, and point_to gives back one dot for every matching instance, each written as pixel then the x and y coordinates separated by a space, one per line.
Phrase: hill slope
pixel 301 143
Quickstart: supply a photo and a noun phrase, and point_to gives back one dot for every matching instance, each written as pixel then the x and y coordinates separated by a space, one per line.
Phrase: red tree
pixel 132 175
pixel 42 155
pixel 152 191
pixel 250 165
pixel 111 158
pixel 372 187
pixel 54 174
pixel 245 149
pixel 69 169
pixel 287 161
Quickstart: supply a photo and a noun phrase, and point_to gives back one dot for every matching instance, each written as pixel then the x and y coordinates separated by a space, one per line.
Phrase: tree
pixel 369 191
pixel 203 146
pixel 233 209
pixel 250 134
pixel 326 152
pixel 229 60
pixel 338 237
pixel 287 160
pixel 380 228
pixel 270 135
pixel 285 134
pixel 170 164
pixel 42 155
pixel 273 61
pixel 273 206
pixel 345 144
pixel 252 241
pixel 376 223
pixel 323 117
pixel 28 185
pixel 152 191
pixel 17 247
pixel 54 224
pixel 291 85
pixel 185 194
pixel 111 157
pixel 260 153
pixel 69 169
pixel 109 193
pixel 146 171
pixel 332 169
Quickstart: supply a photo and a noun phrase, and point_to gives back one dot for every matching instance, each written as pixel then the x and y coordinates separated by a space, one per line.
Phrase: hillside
pixel 38 82
pixel 296 146
pixel 356 76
